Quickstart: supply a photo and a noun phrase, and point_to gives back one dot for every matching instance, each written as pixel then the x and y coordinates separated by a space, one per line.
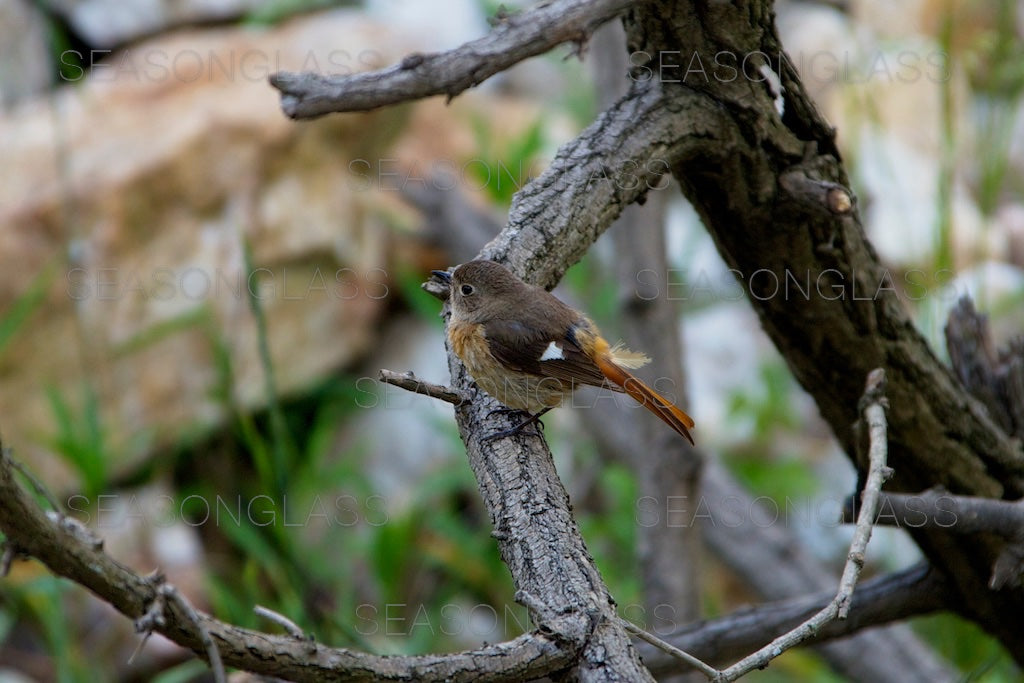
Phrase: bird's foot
pixel 531 419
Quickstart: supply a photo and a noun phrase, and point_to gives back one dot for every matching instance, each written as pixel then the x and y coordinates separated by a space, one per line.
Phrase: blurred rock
pixel 25 64
pixel 127 199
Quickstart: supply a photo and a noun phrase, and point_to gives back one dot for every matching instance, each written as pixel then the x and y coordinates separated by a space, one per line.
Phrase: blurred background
pixel 196 295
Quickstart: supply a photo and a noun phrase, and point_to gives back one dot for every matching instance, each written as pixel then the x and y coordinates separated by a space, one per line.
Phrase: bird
pixel 530 351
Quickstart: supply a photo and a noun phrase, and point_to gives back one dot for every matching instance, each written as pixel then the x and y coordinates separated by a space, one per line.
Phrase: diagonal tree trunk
pixel 764 186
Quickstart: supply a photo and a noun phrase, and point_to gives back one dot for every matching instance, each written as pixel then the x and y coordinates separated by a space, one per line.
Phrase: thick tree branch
pixel 552 222
pixel 616 161
pixel 539 539
pixel 63 547
pixel 830 307
pixel 515 37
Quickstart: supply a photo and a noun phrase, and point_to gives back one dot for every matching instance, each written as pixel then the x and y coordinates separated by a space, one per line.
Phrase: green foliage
pixel 968 648
pixel 501 172
pixel 40 602
pixel 767 406
pixel 768 402
pixel 200 317
pixel 81 437
pixel 409 283
pixel 589 283
pixel 26 305
pixel 68 61
pixel 191 670
pixel 995 135
pixel 996 69
pixel 610 531
pixel 781 479
pixel 948 159
pixel 996 59
pixel 277 457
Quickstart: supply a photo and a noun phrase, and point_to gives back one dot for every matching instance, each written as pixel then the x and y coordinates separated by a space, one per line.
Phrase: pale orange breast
pixel 519 390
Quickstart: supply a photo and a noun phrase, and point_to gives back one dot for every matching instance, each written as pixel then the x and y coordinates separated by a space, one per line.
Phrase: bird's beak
pixel 442 275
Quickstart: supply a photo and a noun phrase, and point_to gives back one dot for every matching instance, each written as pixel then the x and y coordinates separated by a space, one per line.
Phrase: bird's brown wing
pixel 524 348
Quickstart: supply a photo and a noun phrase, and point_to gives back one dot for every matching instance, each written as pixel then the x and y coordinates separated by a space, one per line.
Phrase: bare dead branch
pixel 409 382
pixel 994 376
pixel 878 472
pixel 281 620
pixel 515 37
pixel 899 655
pixel 173 599
pixel 670 649
pixel 937 508
pixel 32 532
pixel 881 600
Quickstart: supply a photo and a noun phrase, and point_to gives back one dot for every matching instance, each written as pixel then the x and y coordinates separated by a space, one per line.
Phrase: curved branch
pixel 515 37
pixel 839 606
pixel 68 550
pixel 626 153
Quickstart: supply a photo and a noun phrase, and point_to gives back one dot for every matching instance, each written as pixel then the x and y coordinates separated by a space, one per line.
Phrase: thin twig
pixel 878 472
pixel 7 558
pixel 668 648
pixel 409 382
pixel 881 600
pixel 874 402
pixel 36 484
pixel 516 37
pixel 213 654
pixel 155 618
pixel 281 620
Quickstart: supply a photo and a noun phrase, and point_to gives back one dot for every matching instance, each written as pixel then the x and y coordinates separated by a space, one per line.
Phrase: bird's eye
pixel 467 290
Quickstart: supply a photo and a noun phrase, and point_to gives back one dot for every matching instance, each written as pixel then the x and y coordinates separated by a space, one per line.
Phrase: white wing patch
pixel 552 352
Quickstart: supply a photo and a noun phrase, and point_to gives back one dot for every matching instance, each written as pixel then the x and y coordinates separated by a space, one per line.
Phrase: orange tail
pixel 647 397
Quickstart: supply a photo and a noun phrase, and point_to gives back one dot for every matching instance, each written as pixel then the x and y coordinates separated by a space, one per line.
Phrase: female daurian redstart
pixel 530 351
